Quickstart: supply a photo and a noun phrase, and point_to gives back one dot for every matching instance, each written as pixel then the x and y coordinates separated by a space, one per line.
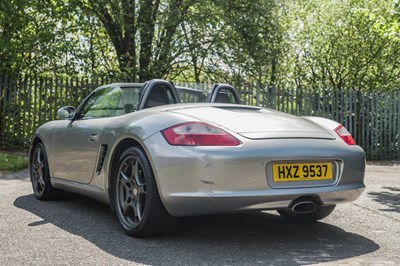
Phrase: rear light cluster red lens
pixel 345 135
pixel 198 134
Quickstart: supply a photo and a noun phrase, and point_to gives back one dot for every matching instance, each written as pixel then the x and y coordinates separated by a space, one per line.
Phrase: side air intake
pixel 103 152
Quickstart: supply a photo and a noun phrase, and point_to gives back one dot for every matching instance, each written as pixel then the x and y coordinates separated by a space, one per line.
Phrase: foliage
pixel 12 162
pixel 143 33
pixel 52 37
pixel 315 43
pixel 230 41
pixel 253 38
pixel 343 44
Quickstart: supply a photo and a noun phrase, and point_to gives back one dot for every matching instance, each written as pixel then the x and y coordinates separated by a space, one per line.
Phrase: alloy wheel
pixel 131 192
pixel 39 165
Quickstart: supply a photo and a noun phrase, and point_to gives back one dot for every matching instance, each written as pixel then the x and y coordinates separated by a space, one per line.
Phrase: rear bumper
pixel 206 180
pixel 183 204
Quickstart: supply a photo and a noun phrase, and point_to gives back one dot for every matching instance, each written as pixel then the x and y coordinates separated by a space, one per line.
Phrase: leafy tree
pixel 12 22
pixel 338 44
pixel 231 40
pixel 342 44
pixel 142 33
pixel 200 36
pixel 52 37
pixel 253 38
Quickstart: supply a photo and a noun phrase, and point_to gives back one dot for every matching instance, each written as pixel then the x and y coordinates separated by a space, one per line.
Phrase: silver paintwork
pixel 73 136
pixel 202 180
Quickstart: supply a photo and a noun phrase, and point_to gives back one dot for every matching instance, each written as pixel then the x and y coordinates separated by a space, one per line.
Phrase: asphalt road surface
pixel 80 231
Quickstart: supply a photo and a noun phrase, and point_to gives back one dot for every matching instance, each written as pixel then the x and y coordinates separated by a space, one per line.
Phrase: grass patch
pixel 12 162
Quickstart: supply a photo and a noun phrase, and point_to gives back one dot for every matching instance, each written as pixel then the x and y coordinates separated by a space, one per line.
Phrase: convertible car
pixel 153 159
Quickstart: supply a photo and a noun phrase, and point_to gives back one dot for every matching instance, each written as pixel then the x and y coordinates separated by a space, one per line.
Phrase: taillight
pixel 345 135
pixel 198 134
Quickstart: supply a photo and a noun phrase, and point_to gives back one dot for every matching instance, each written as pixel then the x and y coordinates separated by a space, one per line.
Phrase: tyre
pixel 319 213
pixel 137 202
pixel 40 175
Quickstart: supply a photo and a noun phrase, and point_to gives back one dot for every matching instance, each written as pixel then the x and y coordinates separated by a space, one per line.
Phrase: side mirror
pixel 67 112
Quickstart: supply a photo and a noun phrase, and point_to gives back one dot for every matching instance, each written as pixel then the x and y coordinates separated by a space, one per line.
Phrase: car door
pixel 77 144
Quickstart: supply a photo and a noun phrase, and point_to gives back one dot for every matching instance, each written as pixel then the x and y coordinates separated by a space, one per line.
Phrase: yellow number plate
pixel 289 172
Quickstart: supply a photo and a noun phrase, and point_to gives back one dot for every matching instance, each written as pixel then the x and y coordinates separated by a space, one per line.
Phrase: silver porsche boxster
pixel 153 159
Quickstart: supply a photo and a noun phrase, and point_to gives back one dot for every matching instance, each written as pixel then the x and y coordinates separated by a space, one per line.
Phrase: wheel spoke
pixel 141 191
pixel 39 187
pixel 41 181
pixel 135 164
pixel 125 205
pixel 131 204
pixel 135 171
pixel 138 175
pixel 38 158
pixel 138 211
pixel 36 182
pixel 125 180
pixel 132 210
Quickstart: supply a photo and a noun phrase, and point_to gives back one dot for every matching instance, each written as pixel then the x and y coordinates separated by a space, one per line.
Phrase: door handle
pixel 93 137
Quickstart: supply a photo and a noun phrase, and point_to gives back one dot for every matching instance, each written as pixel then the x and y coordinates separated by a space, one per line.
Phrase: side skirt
pixel 82 189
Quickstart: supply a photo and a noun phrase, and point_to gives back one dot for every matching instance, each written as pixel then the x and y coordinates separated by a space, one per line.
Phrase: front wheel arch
pixel 34 142
pixel 39 173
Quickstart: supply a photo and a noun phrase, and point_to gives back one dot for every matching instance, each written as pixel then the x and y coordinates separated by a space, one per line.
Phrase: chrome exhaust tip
pixel 303 207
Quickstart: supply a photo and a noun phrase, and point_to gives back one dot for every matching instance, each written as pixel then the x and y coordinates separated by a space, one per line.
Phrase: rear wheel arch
pixel 116 154
pixel 124 197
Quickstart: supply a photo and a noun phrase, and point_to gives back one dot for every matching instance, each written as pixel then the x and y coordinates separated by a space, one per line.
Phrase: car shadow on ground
pixel 388 196
pixel 232 239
